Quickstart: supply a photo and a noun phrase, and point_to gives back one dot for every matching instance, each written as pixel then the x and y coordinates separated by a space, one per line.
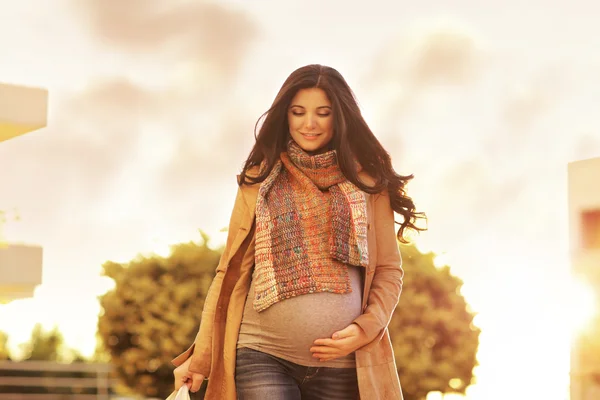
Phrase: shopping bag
pixel 182 394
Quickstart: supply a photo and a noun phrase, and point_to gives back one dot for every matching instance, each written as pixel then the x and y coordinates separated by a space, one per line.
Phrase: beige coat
pixel 224 304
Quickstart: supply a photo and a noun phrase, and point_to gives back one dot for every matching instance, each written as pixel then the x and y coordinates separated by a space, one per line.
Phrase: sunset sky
pixel 152 110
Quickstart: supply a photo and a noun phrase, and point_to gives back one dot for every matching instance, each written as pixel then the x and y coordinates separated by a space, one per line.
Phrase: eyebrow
pixel 296 105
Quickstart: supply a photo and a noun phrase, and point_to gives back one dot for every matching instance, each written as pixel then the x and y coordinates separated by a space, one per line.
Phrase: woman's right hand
pixel 183 376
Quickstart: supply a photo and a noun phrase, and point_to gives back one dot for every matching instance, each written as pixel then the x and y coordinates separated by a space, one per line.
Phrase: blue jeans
pixel 261 376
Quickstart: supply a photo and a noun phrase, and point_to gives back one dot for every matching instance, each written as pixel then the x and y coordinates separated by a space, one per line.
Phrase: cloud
pixel 204 157
pixel 126 140
pixel 87 144
pixel 530 96
pixel 207 34
pixel 466 197
pixel 122 161
pixel 123 164
pixel 200 46
pixel 586 146
pixel 442 56
pixel 430 54
pixel 479 131
pixel 446 55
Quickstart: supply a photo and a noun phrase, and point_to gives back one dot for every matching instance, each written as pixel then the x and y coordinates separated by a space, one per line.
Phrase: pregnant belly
pixel 288 328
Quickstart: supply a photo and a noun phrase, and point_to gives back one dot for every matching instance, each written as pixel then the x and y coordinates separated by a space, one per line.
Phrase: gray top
pixel 288 328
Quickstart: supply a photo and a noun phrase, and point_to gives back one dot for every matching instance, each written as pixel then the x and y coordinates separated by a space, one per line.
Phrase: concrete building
pixel 584 221
pixel 22 110
pixel 20 271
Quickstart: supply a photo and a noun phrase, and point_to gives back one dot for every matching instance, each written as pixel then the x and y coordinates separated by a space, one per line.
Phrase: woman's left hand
pixel 341 344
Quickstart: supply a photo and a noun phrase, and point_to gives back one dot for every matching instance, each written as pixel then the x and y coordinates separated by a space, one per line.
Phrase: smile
pixel 310 134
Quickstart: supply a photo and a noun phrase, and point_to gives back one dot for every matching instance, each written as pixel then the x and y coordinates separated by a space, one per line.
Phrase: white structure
pixel 22 110
pixel 20 271
pixel 584 221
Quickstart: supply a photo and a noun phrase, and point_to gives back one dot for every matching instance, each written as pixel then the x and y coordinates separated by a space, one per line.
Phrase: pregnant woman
pixel 311 272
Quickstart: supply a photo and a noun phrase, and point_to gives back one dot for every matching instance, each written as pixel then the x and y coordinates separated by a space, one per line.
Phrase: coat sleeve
pixel 386 286
pixel 201 349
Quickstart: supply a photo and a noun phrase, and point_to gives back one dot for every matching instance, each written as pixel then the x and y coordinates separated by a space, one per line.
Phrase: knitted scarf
pixel 310 223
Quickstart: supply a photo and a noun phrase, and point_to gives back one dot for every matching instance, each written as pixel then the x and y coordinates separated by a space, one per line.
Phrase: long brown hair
pixel 352 138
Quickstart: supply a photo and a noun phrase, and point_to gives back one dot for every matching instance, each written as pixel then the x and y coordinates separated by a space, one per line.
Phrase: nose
pixel 310 121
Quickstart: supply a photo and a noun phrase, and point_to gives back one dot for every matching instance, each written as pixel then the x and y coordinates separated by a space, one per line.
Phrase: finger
pixel 340 334
pixel 323 349
pixel 180 381
pixel 349 331
pixel 325 342
pixel 197 382
pixel 187 381
pixel 327 357
pixel 336 344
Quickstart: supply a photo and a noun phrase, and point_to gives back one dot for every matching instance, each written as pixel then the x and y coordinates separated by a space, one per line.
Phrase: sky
pixel 152 109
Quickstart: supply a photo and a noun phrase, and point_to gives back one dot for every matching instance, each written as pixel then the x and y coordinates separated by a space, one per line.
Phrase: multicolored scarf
pixel 310 223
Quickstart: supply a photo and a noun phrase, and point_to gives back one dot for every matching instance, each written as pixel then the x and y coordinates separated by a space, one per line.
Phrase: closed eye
pixel 299 114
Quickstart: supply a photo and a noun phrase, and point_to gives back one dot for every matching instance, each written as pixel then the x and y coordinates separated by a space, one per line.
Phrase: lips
pixel 310 134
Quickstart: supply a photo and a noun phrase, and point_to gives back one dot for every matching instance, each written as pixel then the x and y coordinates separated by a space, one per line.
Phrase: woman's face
pixel 310 119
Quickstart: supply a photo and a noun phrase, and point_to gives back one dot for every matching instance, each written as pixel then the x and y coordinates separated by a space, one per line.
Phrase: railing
pixel 45 380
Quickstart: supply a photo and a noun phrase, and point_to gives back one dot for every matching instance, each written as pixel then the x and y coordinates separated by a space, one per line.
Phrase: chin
pixel 310 145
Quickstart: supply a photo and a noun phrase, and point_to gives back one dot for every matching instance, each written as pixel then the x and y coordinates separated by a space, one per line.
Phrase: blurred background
pixel 151 112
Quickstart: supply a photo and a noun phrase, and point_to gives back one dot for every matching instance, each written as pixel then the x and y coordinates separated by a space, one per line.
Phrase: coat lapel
pixel 250 193
pixel 249 196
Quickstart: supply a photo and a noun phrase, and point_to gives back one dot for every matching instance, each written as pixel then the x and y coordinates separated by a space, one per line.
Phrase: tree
pixel 101 355
pixel 48 345
pixel 432 331
pixel 44 345
pixel 153 313
pixel 4 352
